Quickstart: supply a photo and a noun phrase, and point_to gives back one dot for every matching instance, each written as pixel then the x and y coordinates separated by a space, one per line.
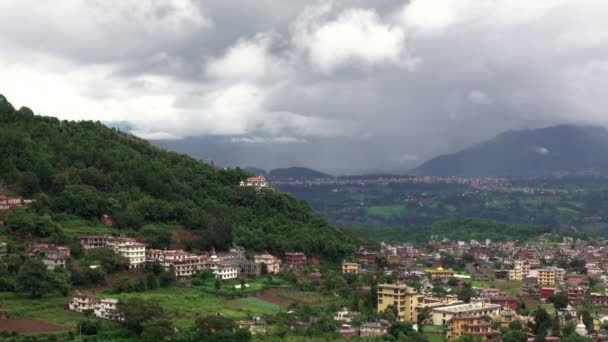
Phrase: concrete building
pixel 474 325
pixel 546 277
pixel 440 274
pixel 403 297
pixel 273 264
pixel 81 302
pixel 443 315
pixel 345 315
pixel 257 326
pixel 129 248
pixel 350 267
pixel 257 182
pixel 295 260
pixel 377 328
pixel 107 308
pixel 54 259
pixel 225 271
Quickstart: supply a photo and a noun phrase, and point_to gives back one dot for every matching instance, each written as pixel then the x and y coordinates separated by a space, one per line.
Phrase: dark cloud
pixel 336 85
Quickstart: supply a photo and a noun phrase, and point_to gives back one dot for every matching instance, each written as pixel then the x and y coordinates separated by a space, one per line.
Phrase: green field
pixel 255 285
pixel 388 211
pixel 49 308
pixel 184 304
pixel 261 304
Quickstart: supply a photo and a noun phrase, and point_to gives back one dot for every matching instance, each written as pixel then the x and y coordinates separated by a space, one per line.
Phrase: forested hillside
pixel 87 169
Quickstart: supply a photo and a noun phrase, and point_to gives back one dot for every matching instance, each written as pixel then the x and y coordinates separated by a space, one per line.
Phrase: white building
pixel 54 259
pixel 225 271
pixel 476 308
pixel 273 264
pixel 183 263
pixel 81 302
pixel 129 248
pixel 106 308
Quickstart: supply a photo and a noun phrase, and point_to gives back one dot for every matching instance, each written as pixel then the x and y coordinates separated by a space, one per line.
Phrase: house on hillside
pixel 257 182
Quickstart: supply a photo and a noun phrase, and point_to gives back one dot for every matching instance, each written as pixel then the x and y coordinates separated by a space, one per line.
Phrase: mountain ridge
pixel 550 151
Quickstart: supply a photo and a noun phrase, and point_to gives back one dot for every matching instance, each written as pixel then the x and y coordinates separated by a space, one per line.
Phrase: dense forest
pixel 86 169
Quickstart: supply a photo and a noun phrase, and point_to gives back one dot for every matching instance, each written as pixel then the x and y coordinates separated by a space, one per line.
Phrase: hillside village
pixel 445 289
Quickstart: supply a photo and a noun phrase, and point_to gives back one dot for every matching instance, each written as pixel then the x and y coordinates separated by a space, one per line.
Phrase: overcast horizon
pixel 332 85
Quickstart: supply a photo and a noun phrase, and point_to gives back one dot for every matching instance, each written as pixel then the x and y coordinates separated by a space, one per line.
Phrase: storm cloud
pixel 334 85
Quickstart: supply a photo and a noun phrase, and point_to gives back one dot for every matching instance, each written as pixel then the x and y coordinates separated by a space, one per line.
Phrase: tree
pixel 212 324
pixel 157 329
pixel 559 300
pixel 33 278
pixel 542 322
pixel 469 338
pixel 137 311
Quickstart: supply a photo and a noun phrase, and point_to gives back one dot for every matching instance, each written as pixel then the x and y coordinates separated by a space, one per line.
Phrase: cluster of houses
pixel 11 203
pixel 256 182
pixel 534 267
pixel 105 308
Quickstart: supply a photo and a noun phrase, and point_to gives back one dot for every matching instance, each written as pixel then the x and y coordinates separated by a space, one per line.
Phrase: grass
pixel 184 304
pixel 261 304
pixel 388 211
pixel 255 285
pixel 549 307
pixel 49 308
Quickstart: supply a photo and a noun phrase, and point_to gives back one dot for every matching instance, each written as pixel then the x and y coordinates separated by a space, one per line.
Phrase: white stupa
pixel 580 327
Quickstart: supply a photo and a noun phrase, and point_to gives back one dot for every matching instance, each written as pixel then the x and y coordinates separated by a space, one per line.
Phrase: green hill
pixel 87 169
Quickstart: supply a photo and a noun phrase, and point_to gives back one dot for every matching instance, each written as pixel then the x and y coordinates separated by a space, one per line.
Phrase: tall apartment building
pixel 403 297
pixel 520 270
pixel 546 277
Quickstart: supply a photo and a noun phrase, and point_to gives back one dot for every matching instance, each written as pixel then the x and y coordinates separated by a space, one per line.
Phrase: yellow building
pixel 440 273
pixel 403 297
pixel 461 326
pixel 350 267
pixel 546 277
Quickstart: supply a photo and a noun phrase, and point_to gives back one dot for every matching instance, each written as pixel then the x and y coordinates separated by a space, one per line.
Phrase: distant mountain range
pixel 552 151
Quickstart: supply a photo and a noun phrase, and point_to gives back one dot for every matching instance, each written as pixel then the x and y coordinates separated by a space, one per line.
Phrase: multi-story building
pixel 257 326
pixel 350 267
pixel 184 264
pixel 474 325
pixel 295 260
pixel 576 295
pixel 440 274
pixel 443 315
pixel 507 302
pixel 530 290
pixel 81 302
pixel 129 248
pixel 521 268
pixel 273 264
pixel 257 182
pixel 546 277
pixel 93 241
pixel 369 258
pixel 599 299
pixel 377 328
pixel 225 271
pixel 54 259
pixel 403 297
pixel 107 308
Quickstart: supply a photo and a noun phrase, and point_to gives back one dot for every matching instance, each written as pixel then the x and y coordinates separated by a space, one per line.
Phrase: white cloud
pixel 542 150
pixel 248 59
pixel 478 97
pixel 266 140
pixel 353 36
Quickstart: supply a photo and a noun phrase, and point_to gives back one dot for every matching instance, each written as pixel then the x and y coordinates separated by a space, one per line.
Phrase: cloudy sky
pixel 337 85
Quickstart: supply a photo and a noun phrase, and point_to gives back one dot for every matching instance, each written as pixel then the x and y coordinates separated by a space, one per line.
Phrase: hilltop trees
pixel 87 169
